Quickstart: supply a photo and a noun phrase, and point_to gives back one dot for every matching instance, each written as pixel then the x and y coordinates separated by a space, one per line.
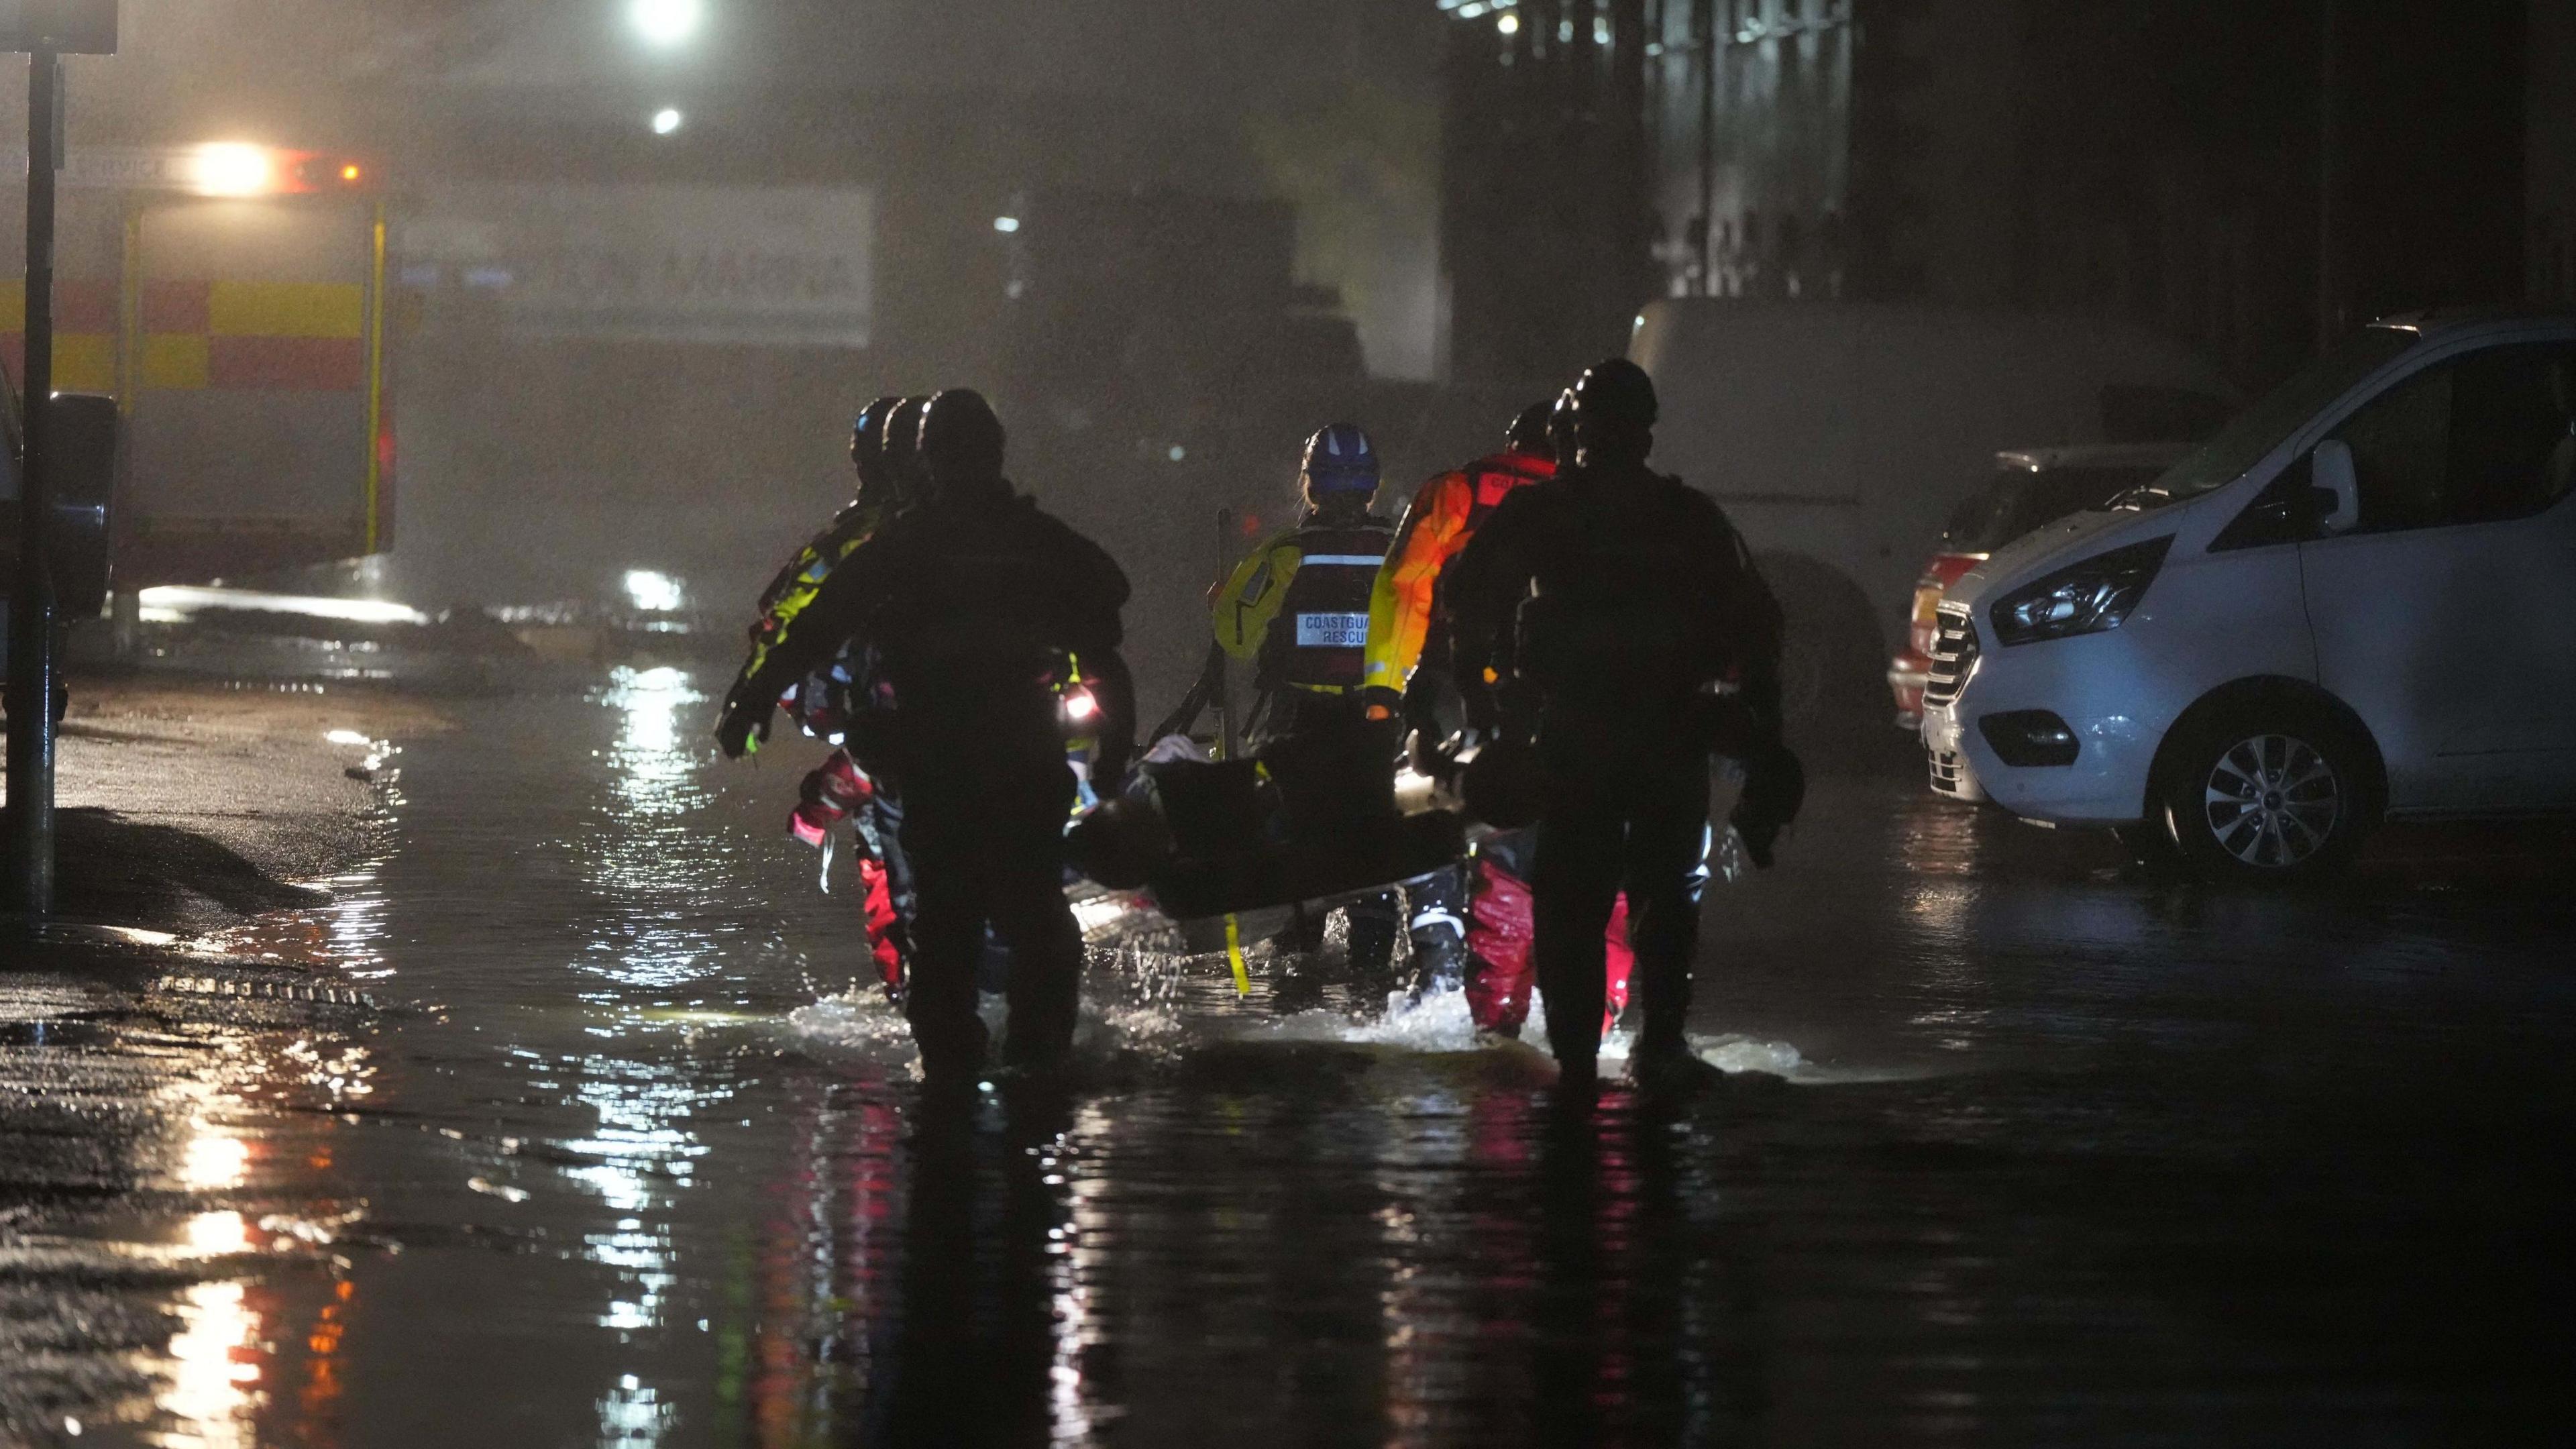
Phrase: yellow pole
pixel 375 382
pixel 1234 956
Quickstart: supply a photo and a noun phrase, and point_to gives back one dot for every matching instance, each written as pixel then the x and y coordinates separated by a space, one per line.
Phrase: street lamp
pixel 666 23
pixel 667 120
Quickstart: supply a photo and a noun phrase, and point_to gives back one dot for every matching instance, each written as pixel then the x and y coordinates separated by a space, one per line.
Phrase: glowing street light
pixel 666 23
pixel 667 120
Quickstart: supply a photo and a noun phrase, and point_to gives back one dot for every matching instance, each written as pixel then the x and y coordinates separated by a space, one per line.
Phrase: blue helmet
pixel 1339 459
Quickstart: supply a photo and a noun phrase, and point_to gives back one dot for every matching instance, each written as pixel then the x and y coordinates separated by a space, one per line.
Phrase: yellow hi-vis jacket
pixel 1317 574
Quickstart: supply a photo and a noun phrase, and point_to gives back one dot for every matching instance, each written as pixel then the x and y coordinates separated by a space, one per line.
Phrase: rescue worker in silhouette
pixel 1599 611
pixel 1470 924
pixel 825 700
pixel 878 497
pixel 1297 606
pixel 971 604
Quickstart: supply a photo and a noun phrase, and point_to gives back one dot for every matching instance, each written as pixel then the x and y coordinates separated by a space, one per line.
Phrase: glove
pixel 743 727
pixel 1437 756
pixel 1775 786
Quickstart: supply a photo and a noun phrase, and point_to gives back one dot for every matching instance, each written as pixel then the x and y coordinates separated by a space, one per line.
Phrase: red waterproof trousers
pixel 1499 966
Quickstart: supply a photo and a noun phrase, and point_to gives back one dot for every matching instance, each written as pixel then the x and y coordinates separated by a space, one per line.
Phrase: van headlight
pixel 2083 598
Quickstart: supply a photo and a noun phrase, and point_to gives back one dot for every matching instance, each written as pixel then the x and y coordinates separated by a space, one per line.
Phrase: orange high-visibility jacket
pixel 1444 515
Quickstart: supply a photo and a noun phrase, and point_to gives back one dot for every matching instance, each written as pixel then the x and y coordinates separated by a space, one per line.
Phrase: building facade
pixel 2250 175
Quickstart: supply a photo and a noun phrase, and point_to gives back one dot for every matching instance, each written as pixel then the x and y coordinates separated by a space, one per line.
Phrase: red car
pixel 2031 487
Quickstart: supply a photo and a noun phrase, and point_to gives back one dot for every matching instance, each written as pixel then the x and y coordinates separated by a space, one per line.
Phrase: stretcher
pixel 1218 838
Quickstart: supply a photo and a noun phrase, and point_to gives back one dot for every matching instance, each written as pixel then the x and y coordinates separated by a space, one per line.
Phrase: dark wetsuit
pixel 970 601
pixel 1612 596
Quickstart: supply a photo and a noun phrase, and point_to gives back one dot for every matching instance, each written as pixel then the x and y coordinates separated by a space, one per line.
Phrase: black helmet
pixel 1614 412
pixel 868 444
pixel 1560 429
pixel 1528 432
pixel 961 440
pixel 902 447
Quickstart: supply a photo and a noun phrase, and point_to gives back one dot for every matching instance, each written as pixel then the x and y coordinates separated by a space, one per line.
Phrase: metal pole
pixel 31 612
pixel 2329 304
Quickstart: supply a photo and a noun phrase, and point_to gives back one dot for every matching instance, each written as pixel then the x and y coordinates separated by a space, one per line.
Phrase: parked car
pixel 2029 488
pixel 1833 432
pixel 2352 604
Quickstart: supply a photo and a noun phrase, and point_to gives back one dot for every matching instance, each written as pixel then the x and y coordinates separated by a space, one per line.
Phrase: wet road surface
pixel 2012 1148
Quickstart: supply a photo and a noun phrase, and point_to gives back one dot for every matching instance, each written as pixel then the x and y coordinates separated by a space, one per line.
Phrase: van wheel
pixel 2269 794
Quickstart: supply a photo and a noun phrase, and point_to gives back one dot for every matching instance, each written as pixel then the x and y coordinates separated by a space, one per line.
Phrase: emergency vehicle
pixel 231 298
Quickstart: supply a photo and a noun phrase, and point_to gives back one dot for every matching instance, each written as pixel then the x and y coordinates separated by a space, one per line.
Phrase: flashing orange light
pixel 350 173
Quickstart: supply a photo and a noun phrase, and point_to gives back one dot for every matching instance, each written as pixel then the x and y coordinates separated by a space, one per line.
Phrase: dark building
pixel 2248 174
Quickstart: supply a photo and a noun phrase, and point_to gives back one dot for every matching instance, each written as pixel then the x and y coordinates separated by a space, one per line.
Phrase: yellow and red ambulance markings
pixel 258 336
pixel 84 334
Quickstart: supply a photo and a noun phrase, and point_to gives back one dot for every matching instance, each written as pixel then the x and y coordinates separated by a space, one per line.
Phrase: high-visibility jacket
pixel 1316 578
pixel 1445 514
pixel 795 586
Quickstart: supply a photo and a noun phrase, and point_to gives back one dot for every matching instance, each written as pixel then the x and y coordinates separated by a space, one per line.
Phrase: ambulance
pixel 231 298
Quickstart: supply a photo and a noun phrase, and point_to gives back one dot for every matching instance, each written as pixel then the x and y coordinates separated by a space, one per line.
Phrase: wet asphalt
pixel 558 1122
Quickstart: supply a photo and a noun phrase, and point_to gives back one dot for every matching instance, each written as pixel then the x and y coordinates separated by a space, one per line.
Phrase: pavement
pixel 184 806
pixel 187 810
pixel 524 1088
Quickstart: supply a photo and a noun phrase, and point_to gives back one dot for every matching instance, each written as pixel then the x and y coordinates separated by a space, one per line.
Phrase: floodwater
pixel 2010 1147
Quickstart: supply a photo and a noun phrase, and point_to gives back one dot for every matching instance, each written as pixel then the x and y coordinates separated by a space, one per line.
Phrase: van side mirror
pixel 2336 487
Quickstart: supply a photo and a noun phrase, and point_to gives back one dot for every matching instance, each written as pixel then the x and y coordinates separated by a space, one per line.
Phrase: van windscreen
pixel 2260 428
pixel 2018 500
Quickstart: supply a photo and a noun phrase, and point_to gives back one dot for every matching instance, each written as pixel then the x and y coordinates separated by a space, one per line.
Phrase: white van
pixel 2357 601
pixel 1840 435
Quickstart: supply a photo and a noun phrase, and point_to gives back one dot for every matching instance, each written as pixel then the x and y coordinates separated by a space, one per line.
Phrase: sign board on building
pixel 761 266
pixel 70 27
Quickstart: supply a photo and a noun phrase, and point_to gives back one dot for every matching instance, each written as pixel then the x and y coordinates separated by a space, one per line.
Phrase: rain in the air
pixel 1174 723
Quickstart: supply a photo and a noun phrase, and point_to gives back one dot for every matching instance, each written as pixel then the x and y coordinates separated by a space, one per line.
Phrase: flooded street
pixel 560 1125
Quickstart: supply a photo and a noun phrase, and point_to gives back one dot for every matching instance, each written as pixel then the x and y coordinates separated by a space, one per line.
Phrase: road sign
pixel 65 27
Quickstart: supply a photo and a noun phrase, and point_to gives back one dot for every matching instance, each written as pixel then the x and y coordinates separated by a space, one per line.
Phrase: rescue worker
pixel 970 603
pixel 841 788
pixel 879 494
pixel 1599 610
pixel 1297 606
pixel 1442 517
pixel 1470 923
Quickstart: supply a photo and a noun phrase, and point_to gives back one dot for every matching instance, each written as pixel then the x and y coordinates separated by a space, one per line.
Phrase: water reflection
pixel 648 853
pixel 982 1342
pixel 214 1367
pixel 633 1415
pixel 638 1160
pixel 345 937
pixel 1412 1257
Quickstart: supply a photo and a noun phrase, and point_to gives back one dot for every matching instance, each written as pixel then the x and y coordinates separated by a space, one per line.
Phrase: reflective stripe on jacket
pixel 1317 578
